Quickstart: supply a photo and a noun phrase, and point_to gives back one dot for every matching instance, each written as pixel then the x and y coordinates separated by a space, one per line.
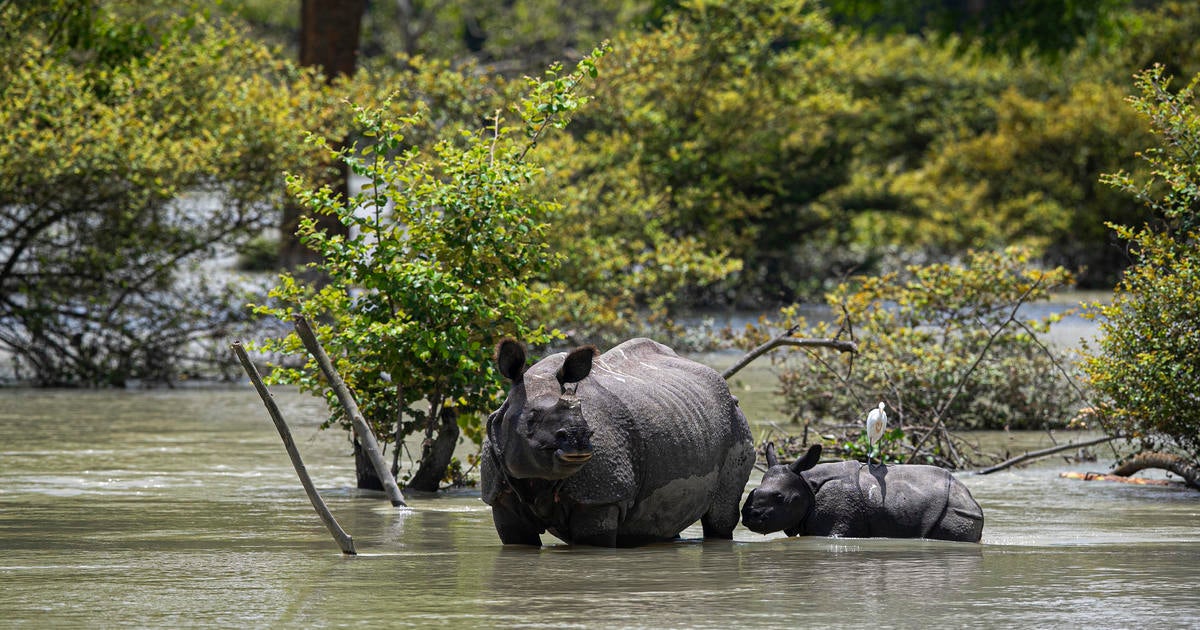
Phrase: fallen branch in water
pixel 1165 461
pixel 785 339
pixel 1091 476
pixel 365 434
pixel 1046 452
pixel 343 539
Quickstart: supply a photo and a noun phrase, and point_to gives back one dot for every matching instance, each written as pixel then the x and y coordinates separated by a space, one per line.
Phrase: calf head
pixel 542 437
pixel 783 499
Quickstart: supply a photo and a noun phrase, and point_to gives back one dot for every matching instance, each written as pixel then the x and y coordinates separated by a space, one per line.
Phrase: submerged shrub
pixel 942 343
pixel 1147 359
pixel 125 168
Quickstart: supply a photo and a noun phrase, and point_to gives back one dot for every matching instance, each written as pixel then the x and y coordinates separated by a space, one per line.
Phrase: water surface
pixel 180 509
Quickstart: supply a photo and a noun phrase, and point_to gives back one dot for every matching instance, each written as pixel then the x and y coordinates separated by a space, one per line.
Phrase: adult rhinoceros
pixel 622 449
pixel 861 501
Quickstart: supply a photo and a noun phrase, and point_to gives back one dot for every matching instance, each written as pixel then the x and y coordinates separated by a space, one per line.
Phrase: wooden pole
pixel 343 539
pixel 365 434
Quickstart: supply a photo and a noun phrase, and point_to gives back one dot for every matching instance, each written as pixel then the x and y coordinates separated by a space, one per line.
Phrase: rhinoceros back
pixel 896 501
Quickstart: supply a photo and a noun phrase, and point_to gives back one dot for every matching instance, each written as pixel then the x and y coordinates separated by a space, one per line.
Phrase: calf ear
pixel 576 366
pixel 809 460
pixel 772 460
pixel 510 358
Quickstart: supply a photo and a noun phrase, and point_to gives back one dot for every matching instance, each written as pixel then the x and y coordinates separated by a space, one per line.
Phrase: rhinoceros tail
pixel 962 518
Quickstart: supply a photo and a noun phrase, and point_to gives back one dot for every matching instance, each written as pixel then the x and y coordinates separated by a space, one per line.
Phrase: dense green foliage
pixel 445 250
pixel 944 345
pixel 1147 360
pixel 511 37
pixel 764 144
pixel 129 156
pixel 752 152
pixel 698 134
pixel 1049 27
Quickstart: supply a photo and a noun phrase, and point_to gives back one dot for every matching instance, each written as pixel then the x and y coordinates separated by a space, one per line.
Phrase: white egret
pixel 876 423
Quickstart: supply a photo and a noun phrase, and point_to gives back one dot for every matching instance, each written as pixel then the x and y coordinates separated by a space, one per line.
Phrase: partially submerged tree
pixel 129 158
pixel 1146 362
pixel 945 346
pixel 446 250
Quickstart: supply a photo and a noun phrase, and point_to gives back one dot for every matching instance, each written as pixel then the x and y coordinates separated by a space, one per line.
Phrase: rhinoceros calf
pixel 623 449
pixel 854 500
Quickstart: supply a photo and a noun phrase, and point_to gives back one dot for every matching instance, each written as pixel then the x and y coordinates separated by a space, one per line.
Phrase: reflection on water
pixel 181 509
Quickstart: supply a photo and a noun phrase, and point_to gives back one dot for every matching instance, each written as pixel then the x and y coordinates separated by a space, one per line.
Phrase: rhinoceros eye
pixel 532 420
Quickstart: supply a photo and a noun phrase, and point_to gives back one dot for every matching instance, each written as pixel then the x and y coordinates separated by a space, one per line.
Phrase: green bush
pixel 1147 359
pixel 752 151
pixel 446 249
pixel 1031 179
pixel 698 129
pixel 941 344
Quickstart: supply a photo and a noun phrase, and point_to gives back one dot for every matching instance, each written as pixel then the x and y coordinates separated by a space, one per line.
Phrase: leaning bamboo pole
pixel 343 539
pixel 365 434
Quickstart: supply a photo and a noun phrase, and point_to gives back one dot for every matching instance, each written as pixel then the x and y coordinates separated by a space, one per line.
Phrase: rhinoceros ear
pixel 809 460
pixel 772 460
pixel 510 358
pixel 576 366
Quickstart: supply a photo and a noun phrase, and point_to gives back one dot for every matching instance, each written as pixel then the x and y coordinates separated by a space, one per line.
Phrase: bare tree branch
pixel 785 339
pixel 1058 364
pixel 1008 463
pixel 1165 461
pixel 939 422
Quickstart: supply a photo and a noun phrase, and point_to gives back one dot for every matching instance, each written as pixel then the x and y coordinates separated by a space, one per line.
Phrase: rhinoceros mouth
pixel 757 522
pixel 758 527
pixel 572 457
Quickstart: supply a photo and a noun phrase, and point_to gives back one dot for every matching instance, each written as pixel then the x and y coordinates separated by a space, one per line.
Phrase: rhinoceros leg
pixel 725 512
pixel 513 527
pixel 722 516
pixel 595 525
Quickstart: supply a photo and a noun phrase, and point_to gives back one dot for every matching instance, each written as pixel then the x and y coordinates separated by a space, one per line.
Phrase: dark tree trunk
pixel 329 34
pixel 1164 461
pixel 329 39
pixel 364 470
pixel 436 453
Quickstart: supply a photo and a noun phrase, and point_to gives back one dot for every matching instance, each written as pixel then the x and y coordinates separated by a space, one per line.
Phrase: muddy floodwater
pixel 181 509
